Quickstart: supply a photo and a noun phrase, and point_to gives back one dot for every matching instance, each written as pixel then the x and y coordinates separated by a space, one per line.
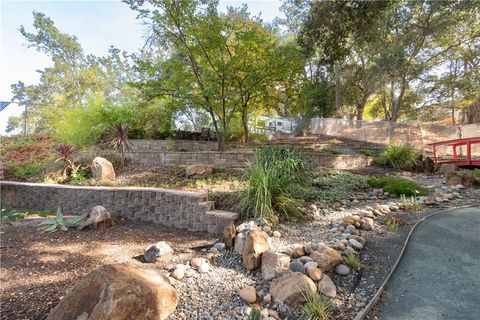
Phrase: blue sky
pixel 97 24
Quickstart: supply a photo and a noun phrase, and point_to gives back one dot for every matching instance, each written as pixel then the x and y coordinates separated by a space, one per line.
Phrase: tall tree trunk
pixel 338 90
pixel 245 125
pixel 361 105
pixel 220 135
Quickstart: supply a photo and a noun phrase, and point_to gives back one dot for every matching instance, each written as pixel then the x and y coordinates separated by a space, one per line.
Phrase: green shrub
pixel 269 177
pixel 317 307
pixel 476 174
pixel 398 186
pixel 403 157
pixel 27 170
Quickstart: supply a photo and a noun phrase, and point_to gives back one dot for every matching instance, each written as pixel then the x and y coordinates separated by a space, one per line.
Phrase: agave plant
pixel 120 140
pixel 52 225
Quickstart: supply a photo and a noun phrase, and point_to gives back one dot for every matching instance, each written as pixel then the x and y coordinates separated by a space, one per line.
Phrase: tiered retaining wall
pixel 179 209
pixel 234 159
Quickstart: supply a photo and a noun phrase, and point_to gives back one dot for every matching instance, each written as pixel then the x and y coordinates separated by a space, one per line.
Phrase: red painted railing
pixel 469 160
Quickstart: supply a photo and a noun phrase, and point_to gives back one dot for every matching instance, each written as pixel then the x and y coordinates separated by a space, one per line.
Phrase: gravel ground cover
pixel 38 269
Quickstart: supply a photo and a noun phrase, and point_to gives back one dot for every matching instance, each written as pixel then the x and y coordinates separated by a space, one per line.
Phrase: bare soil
pixel 37 269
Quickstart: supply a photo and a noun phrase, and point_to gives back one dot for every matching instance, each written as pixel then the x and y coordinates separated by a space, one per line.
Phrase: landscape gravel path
pixel 438 276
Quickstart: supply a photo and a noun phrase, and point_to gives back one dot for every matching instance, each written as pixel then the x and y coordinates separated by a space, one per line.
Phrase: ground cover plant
pixel 353 261
pixel 26 157
pixel 333 186
pixel 397 186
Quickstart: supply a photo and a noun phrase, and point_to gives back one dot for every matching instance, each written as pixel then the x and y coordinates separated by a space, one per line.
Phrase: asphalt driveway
pixel 439 274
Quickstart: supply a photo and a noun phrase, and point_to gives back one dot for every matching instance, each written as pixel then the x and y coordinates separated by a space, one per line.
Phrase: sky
pixel 96 24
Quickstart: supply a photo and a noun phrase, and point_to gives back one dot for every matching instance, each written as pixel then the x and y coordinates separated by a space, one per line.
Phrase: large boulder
pixel 160 250
pixel 256 243
pixel 96 215
pixel 327 258
pixel 118 292
pixel 197 170
pixel 291 288
pixel 229 234
pixel 274 263
pixel 463 177
pixel 327 287
pixel 102 169
pixel 447 168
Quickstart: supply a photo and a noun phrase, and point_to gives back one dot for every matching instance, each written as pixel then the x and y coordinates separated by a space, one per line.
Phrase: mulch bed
pixel 38 269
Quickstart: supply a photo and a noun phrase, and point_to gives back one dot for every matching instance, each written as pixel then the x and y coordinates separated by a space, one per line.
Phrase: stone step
pixel 207 205
pixel 218 219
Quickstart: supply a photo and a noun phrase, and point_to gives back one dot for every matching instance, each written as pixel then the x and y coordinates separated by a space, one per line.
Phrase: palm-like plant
pixel 120 140
pixel 64 153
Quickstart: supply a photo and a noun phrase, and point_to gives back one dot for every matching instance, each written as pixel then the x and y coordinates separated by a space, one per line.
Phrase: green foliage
pixel 368 153
pixel 391 223
pixel 120 141
pixel 412 203
pixel 9 215
pixel 255 315
pixel 27 170
pixel 403 157
pixel 353 261
pixel 331 187
pixel 317 307
pixel 24 141
pixel 318 99
pixel 476 174
pixel 397 186
pixel 52 225
pixel 330 150
pixel 270 176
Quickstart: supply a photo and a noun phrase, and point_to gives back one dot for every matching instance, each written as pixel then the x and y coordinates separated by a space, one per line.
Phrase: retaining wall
pixel 151 146
pixel 179 209
pixel 233 159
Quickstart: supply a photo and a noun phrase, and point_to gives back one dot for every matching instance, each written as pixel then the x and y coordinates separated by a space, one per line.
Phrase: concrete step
pixel 218 219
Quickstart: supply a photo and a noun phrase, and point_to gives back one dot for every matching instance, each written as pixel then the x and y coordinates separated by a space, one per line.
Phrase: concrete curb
pixel 377 295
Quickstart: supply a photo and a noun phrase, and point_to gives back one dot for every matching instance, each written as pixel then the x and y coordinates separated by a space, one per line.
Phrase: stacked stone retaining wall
pixel 179 209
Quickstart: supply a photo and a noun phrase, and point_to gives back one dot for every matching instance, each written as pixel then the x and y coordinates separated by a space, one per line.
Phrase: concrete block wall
pixel 179 209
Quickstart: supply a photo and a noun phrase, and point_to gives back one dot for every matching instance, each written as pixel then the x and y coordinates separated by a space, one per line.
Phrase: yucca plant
pixel 52 225
pixel 120 140
pixel 403 157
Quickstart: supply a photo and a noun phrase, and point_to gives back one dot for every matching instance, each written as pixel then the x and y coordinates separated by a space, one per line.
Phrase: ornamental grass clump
pixel 401 157
pixel 317 307
pixel 269 178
